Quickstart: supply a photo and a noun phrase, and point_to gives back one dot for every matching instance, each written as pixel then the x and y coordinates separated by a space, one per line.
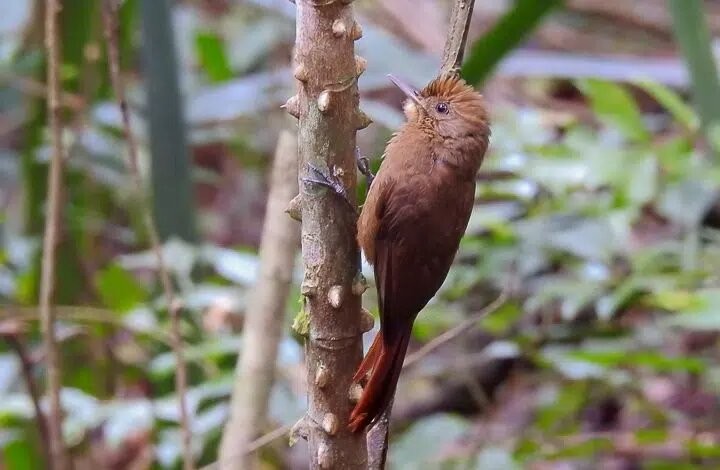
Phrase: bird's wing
pixel 410 262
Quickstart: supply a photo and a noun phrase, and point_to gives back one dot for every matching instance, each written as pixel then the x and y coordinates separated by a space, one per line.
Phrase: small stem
pixel 174 307
pixel 51 238
pixel 460 18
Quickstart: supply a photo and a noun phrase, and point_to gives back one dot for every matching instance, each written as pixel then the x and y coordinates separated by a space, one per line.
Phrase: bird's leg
pixel 363 164
pixel 322 177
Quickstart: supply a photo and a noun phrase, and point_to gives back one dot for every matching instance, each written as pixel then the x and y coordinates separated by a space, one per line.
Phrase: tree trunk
pixel 326 70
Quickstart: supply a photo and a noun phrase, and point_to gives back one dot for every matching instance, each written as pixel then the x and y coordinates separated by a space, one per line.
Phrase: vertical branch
pixel 326 70
pixel 51 238
pixel 460 18
pixel 265 314
pixel 110 11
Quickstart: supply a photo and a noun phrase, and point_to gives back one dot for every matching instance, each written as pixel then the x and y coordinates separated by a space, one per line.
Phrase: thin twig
pixel 110 12
pixel 14 340
pixel 460 18
pixel 52 237
pixel 456 331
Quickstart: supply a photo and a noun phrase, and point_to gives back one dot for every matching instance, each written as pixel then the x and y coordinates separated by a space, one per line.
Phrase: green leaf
pixel 702 313
pixel 301 322
pixel 21 454
pixel 703 450
pixel 651 436
pixel 671 101
pixel 118 289
pixel 615 106
pixel 676 300
pixel 562 407
pixel 517 24
pixel 588 448
pixel 502 319
pixel 673 155
pixel 649 359
pixel 210 49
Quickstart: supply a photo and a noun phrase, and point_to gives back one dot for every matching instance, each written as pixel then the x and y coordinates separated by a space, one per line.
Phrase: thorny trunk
pixel 326 70
pixel 265 314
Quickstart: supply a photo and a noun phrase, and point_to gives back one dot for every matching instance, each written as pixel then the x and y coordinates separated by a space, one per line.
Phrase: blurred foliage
pixel 509 32
pixel 606 220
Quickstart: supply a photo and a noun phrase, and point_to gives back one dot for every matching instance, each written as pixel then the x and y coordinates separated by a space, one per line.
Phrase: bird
pixel 414 216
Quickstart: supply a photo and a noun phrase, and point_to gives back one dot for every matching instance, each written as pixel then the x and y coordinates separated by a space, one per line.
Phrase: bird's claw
pixel 363 164
pixel 324 178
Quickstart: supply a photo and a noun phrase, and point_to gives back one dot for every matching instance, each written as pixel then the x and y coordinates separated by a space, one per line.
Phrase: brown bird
pixel 414 216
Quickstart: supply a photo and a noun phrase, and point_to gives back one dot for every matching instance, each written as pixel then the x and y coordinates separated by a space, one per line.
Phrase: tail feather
pixel 370 358
pixel 387 362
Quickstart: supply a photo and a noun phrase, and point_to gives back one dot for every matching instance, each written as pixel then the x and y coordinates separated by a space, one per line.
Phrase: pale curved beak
pixel 409 91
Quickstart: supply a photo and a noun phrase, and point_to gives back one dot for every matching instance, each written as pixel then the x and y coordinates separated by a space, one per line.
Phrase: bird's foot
pixel 324 178
pixel 363 164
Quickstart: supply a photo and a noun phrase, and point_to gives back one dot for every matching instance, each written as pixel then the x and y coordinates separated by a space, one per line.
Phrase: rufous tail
pixel 386 362
pixel 370 358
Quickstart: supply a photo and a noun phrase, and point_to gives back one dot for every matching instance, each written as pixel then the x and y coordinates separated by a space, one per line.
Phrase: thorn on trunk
pixel 323 101
pixel 308 288
pixel 339 28
pixel 292 106
pixel 330 424
pixel 335 296
pixel 367 321
pixel 356 32
pixel 294 208
pixel 360 65
pixel 359 284
pixel 300 73
pixel 363 120
pixel 322 376
pixel 355 393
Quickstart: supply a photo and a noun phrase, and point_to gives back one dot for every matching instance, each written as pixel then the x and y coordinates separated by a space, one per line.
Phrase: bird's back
pixel 418 207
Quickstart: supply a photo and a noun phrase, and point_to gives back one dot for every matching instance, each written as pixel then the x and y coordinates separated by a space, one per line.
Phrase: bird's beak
pixel 409 91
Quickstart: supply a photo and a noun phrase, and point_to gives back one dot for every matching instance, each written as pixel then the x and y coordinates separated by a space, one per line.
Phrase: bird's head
pixel 447 106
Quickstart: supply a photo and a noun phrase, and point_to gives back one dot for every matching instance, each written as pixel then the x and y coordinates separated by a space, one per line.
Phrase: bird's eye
pixel 442 108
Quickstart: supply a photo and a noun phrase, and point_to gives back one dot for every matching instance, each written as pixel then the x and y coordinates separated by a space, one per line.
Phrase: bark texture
pixel 326 70
pixel 264 317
